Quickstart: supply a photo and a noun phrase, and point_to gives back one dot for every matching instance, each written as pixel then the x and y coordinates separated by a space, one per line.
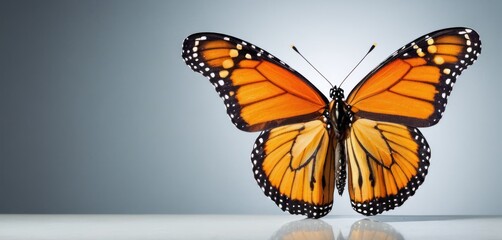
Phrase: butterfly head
pixel 336 93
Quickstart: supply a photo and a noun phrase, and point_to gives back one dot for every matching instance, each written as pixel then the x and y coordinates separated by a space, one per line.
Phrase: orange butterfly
pixel 307 141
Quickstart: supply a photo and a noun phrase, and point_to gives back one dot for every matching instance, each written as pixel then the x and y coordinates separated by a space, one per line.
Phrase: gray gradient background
pixel 99 114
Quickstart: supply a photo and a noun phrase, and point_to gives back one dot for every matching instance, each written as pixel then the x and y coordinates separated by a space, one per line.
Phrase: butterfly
pixel 308 146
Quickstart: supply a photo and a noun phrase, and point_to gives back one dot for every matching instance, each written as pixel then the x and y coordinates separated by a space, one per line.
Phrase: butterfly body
pixel 308 146
pixel 341 118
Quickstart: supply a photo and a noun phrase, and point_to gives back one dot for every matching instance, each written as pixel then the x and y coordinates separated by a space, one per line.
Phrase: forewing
pixel 259 90
pixel 411 87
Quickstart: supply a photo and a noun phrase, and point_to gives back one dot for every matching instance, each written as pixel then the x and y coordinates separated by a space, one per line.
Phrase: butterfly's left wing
pixel 259 90
pixel 387 163
pixel 411 87
pixel 293 168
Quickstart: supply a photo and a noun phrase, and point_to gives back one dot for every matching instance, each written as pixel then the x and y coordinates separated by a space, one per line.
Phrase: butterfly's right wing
pixel 387 163
pixel 411 87
pixel 259 90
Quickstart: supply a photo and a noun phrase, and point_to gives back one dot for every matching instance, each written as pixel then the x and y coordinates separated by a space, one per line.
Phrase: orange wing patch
pixel 291 166
pixel 259 90
pixel 387 163
pixel 412 86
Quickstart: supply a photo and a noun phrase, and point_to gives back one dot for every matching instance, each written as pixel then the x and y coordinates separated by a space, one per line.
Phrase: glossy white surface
pixel 247 227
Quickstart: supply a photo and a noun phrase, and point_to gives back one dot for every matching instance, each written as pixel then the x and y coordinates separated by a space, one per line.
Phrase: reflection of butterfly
pixel 305 229
pixel 307 141
pixel 367 229
pixel 318 229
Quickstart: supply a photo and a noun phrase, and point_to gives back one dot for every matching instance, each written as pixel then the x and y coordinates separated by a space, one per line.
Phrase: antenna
pixel 296 50
pixel 371 49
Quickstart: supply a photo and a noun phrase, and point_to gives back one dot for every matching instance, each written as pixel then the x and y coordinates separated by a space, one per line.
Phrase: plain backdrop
pixel 99 114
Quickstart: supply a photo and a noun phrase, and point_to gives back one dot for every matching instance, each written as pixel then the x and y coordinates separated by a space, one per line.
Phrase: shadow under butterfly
pixel 318 229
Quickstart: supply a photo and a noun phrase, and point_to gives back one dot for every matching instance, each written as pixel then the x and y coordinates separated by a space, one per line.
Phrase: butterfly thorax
pixel 339 113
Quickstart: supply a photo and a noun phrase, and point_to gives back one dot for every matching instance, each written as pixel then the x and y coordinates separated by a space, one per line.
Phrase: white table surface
pixel 247 227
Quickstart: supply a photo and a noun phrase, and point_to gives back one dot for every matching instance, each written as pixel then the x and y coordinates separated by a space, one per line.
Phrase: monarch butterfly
pixel 307 143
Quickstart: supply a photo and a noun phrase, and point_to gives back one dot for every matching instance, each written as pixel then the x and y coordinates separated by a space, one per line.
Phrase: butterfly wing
pixel 291 166
pixel 411 87
pixel 387 163
pixel 258 90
